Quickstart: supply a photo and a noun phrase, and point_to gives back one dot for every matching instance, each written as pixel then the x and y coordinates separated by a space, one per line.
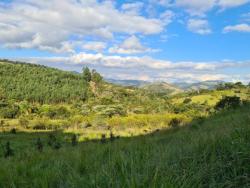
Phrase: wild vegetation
pixel 63 129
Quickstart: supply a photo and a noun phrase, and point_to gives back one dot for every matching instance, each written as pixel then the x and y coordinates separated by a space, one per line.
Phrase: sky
pixel 151 40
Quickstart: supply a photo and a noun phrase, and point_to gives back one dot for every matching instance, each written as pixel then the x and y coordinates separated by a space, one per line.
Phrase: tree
pixel 228 102
pixel 86 74
pixel 96 77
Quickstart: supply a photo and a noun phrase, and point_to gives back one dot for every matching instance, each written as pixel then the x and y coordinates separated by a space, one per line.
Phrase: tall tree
pixel 96 77
pixel 86 74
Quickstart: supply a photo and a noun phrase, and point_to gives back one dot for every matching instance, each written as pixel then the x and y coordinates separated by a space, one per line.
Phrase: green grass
pixel 207 153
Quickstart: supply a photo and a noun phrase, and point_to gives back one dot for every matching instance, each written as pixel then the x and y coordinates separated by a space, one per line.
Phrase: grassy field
pixel 212 152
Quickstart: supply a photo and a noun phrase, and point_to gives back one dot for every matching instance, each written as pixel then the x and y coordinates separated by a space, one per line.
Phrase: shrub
pixel 39 126
pixel 103 138
pixel 187 100
pixel 23 122
pixel 13 131
pixel 8 150
pixel 39 145
pixel 175 123
pixel 74 140
pixel 228 102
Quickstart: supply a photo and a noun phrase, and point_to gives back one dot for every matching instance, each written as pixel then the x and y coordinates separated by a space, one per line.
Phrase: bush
pixel 187 100
pixel 175 123
pixel 228 102
pixel 23 122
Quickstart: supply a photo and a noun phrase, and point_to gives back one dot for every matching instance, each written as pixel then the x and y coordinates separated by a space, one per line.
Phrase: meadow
pixel 212 152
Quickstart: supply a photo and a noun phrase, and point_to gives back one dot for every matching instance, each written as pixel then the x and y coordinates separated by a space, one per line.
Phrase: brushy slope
pixel 207 153
pixel 36 83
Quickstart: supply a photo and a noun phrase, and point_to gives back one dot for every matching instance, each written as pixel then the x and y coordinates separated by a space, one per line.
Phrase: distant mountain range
pixel 164 87
pixel 136 83
pixel 198 85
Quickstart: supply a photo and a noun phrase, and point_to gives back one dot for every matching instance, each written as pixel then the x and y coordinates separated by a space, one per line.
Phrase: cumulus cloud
pixel 199 26
pixel 94 46
pixel 238 28
pixel 49 24
pixel 199 8
pixel 131 45
pixel 134 67
pixel 132 8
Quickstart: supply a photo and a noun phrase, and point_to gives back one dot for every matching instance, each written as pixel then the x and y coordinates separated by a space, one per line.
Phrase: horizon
pixel 167 40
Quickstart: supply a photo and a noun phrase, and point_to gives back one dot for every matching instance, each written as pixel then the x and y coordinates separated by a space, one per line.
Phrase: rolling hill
pixel 161 88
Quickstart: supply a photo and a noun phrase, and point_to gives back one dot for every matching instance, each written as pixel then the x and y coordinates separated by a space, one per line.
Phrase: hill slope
pixel 21 81
pixel 161 87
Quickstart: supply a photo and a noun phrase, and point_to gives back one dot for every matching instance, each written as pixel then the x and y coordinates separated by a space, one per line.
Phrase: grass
pixel 211 152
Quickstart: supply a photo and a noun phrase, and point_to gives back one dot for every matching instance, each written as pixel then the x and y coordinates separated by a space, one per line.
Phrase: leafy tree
pixel 86 74
pixel 228 102
pixel 96 77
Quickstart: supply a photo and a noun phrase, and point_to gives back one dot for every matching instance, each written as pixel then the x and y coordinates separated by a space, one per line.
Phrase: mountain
pixel 135 83
pixel 161 87
pixel 199 85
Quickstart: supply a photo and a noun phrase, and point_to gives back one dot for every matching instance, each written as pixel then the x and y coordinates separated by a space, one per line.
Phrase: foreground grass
pixel 207 153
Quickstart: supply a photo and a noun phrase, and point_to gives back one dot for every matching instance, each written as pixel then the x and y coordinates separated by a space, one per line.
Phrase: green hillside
pixel 161 88
pixel 36 83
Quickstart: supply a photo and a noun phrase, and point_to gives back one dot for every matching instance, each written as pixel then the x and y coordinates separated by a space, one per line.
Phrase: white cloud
pixel 196 7
pixel 199 26
pixel 132 8
pixel 50 24
pixel 94 46
pixel 147 68
pixel 131 45
pixel 231 3
pixel 200 7
pixel 238 28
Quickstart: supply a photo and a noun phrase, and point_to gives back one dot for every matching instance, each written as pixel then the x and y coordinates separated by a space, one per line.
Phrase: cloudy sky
pixel 170 40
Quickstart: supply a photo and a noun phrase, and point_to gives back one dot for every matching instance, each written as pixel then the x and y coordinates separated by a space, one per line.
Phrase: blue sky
pixel 170 40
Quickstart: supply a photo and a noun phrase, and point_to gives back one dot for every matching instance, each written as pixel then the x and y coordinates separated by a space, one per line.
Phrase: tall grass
pixel 210 153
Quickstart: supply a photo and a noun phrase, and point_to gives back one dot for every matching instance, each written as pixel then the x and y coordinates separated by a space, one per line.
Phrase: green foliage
pixel 96 77
pixel 74 140
pixel 39 145
pixel 8 150
pixel 38 83
pixel 110 110
pixel 228 102
pixel 86 74
pixel 187 100
pixel 9 110
pixel 54 112
pixel 174 123
pixel 23 122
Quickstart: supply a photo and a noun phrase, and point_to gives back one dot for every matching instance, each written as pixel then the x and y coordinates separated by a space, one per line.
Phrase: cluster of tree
pixel 91 75
pixel 229 85
pixel 228 102
pixel 36 83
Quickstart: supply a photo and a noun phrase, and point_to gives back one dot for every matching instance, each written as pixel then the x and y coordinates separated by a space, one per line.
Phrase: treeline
pixel 37 83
